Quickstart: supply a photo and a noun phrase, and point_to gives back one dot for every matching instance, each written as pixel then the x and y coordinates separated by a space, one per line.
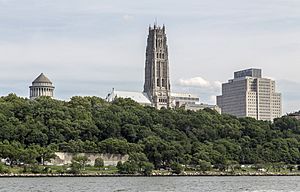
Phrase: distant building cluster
pixel 157 87
pixel 295 115
pixel 248 94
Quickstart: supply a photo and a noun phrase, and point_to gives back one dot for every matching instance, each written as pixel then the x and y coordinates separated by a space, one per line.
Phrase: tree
pixel 28 156
pixel 204 166
pixel 3 169
pixel 119 165
pixel 278 166
pixel 79 162
pixel 114 146
pixel 75 167
pixel 147 168
pixel 136 164
pixel 147 135
pixel 291 167
pixel 232 165
pixel 176 168
pixel 141 160
pixel 44 153
pixel 220 167
pixel 99 163
pixel 14 151
pixel 128 168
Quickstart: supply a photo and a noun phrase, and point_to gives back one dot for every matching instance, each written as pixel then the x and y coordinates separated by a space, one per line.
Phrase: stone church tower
pixel 157 80
pixel 41 86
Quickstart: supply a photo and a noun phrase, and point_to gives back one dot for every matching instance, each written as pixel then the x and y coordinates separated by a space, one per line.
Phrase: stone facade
pixel 182 99
pixel 295 115
pixel 250 95
pixel 109 159
pixel 157 81
pixel 41 86
pixel 201 106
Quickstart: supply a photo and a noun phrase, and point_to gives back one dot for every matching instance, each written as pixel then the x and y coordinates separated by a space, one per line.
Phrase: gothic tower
pixel 157 81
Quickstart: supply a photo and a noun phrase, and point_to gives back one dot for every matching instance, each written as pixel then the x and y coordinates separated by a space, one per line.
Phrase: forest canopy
pixel 161 137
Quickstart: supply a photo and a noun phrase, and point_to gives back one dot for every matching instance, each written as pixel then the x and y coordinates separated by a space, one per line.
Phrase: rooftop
pixel 42 79
pixel 183 95
pixel 139 97
pixel 252 72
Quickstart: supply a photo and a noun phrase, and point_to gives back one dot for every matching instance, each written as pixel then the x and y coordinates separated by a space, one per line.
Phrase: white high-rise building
pixel 250 95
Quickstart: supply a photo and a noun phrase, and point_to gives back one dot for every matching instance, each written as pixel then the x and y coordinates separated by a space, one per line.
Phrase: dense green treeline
pixel 160 138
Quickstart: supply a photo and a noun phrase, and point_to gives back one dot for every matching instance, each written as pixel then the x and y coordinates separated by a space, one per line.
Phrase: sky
pixel 88 47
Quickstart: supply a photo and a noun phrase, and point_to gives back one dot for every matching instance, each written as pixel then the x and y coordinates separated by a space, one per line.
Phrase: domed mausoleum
pixel 41 86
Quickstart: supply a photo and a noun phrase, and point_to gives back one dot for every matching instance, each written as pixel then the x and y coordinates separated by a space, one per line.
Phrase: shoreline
pixel 29 175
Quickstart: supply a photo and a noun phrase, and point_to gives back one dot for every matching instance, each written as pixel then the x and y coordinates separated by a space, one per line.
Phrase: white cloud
pixel 199 82
pixel 195 81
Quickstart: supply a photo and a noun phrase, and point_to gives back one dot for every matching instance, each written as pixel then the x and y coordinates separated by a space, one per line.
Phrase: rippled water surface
pixel 124 184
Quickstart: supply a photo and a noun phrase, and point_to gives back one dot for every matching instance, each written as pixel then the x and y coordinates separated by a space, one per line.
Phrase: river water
pixel 152 184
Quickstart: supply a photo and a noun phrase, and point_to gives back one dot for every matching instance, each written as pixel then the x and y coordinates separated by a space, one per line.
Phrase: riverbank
pixel 194 174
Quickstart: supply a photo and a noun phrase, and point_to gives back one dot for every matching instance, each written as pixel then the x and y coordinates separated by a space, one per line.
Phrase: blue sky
pixel 86 47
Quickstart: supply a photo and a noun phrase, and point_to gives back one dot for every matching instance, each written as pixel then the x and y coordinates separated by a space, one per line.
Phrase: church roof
pixel 42 79
pixel 139 97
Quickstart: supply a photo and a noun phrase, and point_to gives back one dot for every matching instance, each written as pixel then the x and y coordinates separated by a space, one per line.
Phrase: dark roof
pixel 42 79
